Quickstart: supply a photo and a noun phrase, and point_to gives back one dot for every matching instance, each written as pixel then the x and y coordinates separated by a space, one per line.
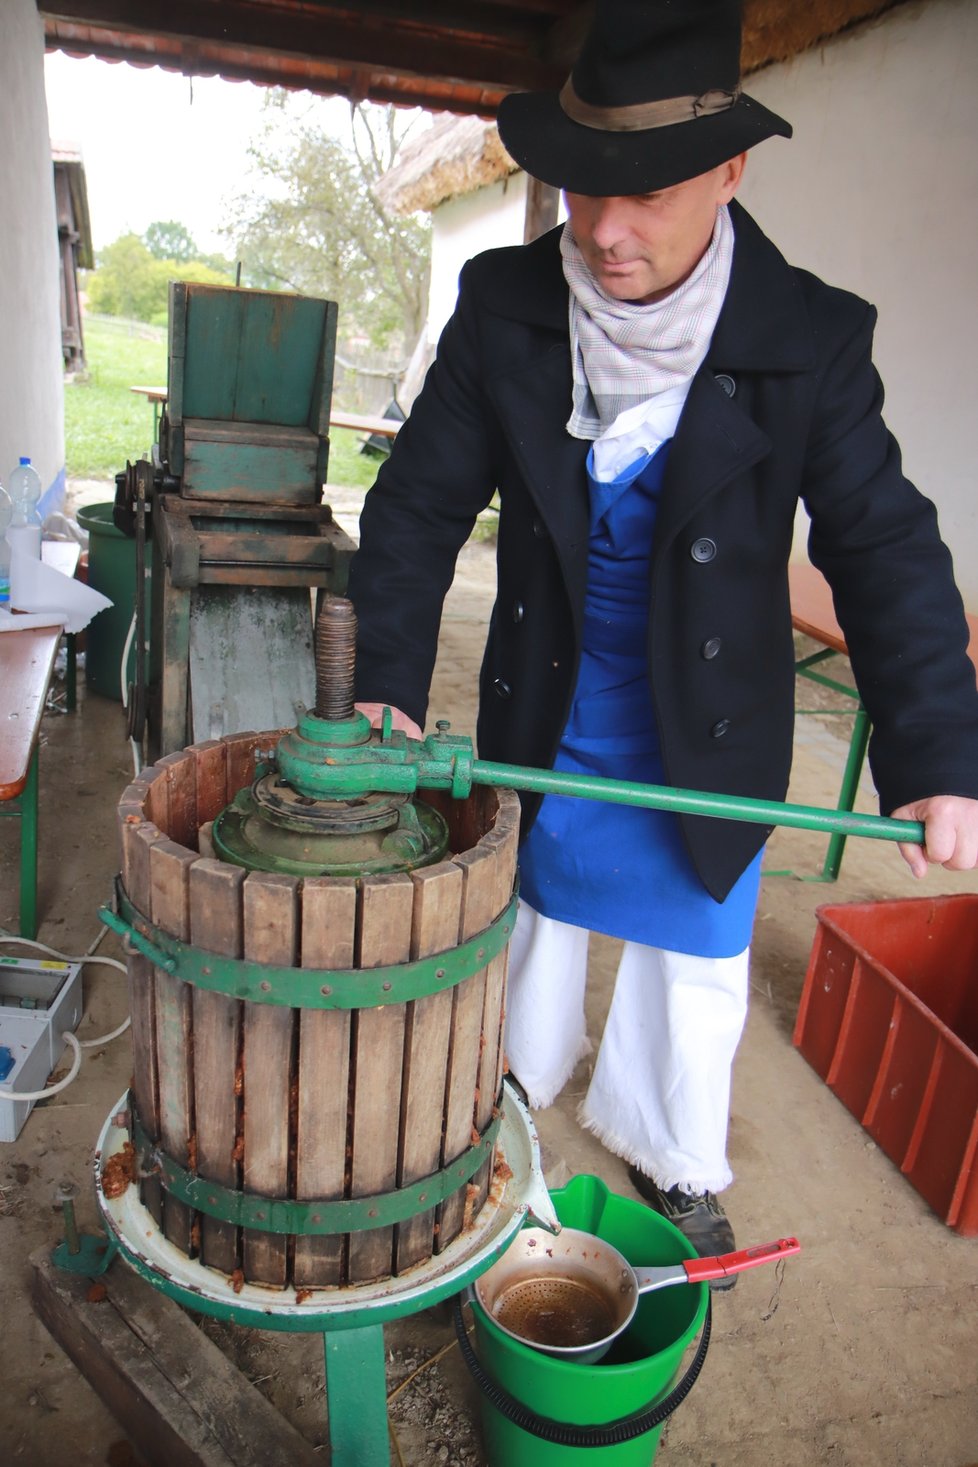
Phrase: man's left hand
pixel 950 833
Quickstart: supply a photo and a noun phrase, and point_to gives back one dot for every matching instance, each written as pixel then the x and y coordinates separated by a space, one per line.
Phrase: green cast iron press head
pixel 314 808
pixel 335 796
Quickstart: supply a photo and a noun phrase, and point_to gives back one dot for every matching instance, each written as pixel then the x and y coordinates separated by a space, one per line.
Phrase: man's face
pixel 641 246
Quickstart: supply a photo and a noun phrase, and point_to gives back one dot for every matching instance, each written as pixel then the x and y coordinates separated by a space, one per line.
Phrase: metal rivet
pixel 265 986
pixel 481 953
pixel 386 987
pixel 372 1212
pixel 422 1196
pixel 439 972
pixel 316 1217
pixel 326 990
pixel 259 1217
pixel 212 1201
pixel 206 972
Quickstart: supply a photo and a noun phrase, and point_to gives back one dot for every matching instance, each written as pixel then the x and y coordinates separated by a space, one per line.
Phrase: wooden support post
pixel 541 208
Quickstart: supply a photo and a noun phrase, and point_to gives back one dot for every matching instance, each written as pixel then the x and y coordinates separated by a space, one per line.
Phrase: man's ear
pixel 731 173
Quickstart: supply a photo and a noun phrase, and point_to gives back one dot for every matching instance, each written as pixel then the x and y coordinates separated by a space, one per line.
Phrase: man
pixel 650 390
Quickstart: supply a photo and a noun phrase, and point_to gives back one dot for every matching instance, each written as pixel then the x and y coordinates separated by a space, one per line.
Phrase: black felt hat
pixel 654 98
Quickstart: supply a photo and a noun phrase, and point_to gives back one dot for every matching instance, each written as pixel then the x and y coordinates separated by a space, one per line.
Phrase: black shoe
pixel 697 1215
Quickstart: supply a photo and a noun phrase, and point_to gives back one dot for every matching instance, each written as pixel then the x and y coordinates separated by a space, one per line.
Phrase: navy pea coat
pixel 787 405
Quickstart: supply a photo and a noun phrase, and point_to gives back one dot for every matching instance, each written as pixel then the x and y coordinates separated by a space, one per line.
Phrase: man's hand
pixel 375 712
pixel 950 833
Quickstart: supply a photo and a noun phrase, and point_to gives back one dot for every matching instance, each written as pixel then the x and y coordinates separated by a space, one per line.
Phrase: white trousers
pixel 660 1092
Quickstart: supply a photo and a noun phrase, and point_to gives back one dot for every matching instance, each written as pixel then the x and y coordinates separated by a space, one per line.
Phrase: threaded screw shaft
pixel 336 651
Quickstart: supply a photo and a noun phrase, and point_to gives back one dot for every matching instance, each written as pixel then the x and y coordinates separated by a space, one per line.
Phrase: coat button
pixel 518 612
pixel 710 648
pixel 703 550
pixel 721 727
pixel 726 383
pixel 502 688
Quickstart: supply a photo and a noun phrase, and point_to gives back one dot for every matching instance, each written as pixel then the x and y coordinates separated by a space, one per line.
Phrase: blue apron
pixel 614 868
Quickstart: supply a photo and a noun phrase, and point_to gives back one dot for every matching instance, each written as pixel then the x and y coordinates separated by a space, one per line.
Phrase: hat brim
pixel 550 146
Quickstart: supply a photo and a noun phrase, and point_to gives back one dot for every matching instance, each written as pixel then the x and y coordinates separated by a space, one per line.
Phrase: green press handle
pixel 696 802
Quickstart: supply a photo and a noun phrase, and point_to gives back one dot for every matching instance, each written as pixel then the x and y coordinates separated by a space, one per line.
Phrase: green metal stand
pixel 356 1387
pixel 351 1320
pixel 855 758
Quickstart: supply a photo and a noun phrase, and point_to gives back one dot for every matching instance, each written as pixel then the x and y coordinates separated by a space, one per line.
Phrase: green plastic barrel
pixel 111 570
pixel 640 1369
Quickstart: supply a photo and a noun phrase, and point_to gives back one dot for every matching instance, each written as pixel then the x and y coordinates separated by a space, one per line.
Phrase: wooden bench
pixel 813 614
pixel 26 664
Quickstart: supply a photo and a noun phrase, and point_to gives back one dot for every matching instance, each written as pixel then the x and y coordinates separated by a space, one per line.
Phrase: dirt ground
pixel 865 1355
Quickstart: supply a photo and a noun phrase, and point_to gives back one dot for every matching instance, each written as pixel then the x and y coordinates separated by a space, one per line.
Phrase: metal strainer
pixel 572 1295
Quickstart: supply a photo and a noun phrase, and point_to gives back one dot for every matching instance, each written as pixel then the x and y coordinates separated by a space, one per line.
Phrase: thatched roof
pixel 776 30
pixel 458 155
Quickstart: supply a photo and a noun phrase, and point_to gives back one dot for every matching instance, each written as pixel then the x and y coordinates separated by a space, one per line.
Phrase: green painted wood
pixel 243 471
pixel 322 393
pixel 251 355
pixel 176 352
pixel 278 357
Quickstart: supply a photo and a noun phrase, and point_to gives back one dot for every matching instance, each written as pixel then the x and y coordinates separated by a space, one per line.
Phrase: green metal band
pixel 318 1216
pixel 310 988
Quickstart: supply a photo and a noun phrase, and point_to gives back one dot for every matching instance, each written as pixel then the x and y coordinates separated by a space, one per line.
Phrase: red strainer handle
pixel 698 1270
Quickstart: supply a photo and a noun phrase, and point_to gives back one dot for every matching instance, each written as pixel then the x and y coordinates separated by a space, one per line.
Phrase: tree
pixel 168 240
pixel 312 223
pixel 129 282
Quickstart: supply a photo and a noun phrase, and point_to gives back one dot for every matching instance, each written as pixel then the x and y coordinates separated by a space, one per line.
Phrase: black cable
pixel 611 1433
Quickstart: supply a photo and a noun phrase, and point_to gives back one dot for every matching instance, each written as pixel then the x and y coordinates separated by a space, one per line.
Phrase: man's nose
pixel 608 222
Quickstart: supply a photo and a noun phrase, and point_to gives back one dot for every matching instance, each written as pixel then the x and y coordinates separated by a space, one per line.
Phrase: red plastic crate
pixel 889 1019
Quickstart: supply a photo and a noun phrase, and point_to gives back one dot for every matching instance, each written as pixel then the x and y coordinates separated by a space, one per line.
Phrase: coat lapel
pixel 715 441
pixel 533 400
pixel 763 327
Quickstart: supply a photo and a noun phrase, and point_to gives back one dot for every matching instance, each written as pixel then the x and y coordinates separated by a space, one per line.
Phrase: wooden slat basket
pixel 310 1103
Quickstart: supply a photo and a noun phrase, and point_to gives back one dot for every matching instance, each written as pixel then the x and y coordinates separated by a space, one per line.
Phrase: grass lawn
pixel 106 423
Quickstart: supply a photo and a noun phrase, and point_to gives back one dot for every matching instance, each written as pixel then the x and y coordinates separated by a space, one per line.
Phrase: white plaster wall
pixel 463 227
pixel 31 385
pixel 878 192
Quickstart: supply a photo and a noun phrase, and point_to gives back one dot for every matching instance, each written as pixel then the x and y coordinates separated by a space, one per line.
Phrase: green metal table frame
pixel 855 758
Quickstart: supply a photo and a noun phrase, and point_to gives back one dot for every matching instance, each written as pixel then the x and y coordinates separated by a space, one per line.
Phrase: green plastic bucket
pixel 111 570
pixel 640 1369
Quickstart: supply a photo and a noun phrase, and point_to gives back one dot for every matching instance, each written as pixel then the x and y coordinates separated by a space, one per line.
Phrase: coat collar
pixel 763 325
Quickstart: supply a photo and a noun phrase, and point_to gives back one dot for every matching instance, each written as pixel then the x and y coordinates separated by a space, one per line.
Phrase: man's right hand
pixel 375 712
